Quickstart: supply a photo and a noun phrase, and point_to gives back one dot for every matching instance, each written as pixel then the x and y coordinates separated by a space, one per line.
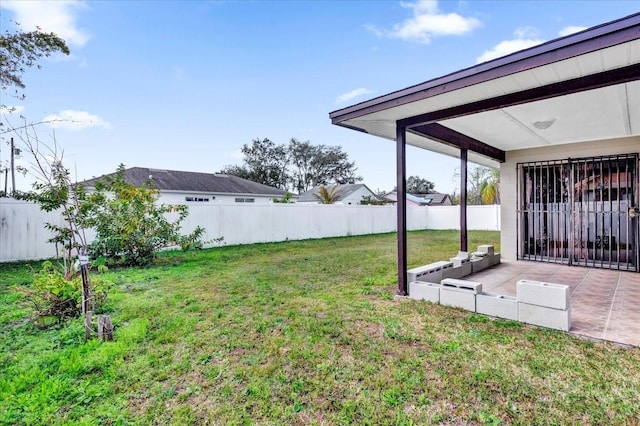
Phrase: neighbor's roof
pixel 582 87
pixel 174 180
pixel 345 191
pixel 422 199
pixel 435 198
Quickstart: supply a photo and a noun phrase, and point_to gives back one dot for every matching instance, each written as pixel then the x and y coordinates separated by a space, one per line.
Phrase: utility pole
pixel 13 170
pixel 14 151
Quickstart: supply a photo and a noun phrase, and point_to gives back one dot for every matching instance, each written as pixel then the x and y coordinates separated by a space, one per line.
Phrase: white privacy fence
pixel 23 234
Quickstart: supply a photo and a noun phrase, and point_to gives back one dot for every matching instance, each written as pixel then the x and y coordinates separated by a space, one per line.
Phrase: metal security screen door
pixel 576 212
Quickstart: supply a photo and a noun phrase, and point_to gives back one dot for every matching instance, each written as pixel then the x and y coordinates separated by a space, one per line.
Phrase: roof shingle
pixel 175 180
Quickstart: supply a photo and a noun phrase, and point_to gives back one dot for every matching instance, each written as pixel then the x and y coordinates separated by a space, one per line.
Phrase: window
pixel 197 199
pixel 245 200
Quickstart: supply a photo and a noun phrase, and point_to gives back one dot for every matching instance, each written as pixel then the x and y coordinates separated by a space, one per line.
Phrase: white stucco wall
pixel 167 197
pixel 508 184
pixel 356 196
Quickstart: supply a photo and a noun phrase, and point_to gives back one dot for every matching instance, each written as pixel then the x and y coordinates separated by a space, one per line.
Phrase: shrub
pixel 54 296
pixel 130 226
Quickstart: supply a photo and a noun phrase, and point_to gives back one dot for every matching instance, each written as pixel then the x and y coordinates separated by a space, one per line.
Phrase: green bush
pixel 130 226
pixel 54 296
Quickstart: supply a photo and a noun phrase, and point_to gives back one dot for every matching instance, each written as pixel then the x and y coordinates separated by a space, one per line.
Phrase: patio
pixel 605 304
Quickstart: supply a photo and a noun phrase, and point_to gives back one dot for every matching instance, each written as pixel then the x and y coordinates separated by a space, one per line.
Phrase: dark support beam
pixel 463 200
pixel 448 136
pixel 561 88
pixel 401 193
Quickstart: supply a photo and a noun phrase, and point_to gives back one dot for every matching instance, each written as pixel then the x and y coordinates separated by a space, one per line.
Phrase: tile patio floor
pixel 605 304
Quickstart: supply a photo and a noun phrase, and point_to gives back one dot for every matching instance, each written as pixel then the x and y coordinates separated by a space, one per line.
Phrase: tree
pixel 327 196
pixel 53 190
pixel 490 188
pixel 240 171
pixel 286 199
pixel 299 166
pixel 369 200
pixel 476 176
pixel 55 293
pixel 302 157
pixel 418 185
pixel 264 162
pixel 21 50
pixel 18 51
pixel 314 165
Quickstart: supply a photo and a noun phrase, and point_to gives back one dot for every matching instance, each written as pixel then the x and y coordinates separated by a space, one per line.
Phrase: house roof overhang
pixel 578 88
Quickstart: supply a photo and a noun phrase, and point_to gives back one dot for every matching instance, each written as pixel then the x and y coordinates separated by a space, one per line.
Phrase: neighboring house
pixel 561 120
pixel 178 187
pixel 436 199
pixel 349 194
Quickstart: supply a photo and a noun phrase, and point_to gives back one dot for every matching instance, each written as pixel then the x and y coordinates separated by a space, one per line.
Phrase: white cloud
pixel 11 109
pixel 50 16
pixel 428 22
pixel 75 120
pixel 571 30
pixel 525 37
pixel 352 94
pixel 506 47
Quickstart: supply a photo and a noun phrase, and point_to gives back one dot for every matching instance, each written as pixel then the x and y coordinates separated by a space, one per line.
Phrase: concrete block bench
pixel 431 273
pixel 486 251
pixel 497 305
pixel 540 293
pixel 461 257
pixel 486 248
pixel 479 263
pixel 420 290
pixel 544 304
pixel 417 274
pixel 460 271
pixel 461 265
pixel 459 293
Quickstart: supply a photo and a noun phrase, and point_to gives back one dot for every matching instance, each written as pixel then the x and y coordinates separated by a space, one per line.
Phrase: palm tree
pixel 490 188
pixel 327 196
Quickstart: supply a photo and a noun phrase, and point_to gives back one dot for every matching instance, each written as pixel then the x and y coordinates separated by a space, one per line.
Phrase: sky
pixel 183 85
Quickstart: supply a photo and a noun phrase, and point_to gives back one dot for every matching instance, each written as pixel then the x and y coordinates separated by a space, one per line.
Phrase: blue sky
pixel 182 85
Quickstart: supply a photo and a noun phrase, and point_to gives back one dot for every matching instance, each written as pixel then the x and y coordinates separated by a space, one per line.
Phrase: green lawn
pixel 302 333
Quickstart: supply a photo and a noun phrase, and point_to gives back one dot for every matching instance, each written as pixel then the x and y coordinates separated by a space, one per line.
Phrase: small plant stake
pixel 105 329
pixel 86 297
pixel 84 260
pixel 87 326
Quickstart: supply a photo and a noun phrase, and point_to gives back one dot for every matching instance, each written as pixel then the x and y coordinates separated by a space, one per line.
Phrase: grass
pixel 302 333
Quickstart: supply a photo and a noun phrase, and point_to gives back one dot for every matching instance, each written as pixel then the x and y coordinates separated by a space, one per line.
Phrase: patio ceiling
pixel 578 88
